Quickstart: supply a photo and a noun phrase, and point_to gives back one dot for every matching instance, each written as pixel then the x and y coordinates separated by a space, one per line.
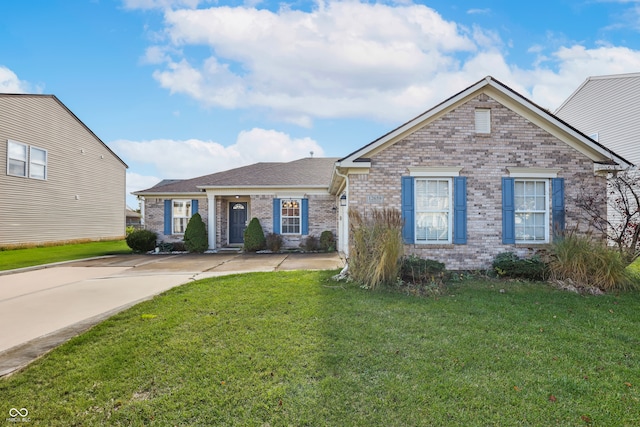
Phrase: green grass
pixel 19 258
pixel 292 348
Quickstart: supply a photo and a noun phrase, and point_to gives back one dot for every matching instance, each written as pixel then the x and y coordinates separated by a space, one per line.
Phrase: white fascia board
pixel 416 122
pixel 551 124
pixel 435 171
pixel 171 195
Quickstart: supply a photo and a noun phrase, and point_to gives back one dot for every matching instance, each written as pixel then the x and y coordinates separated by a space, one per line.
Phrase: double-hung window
pixel 290 215
pixel 531 197
pixel 433 210
pixel 24 160
pixel 181 214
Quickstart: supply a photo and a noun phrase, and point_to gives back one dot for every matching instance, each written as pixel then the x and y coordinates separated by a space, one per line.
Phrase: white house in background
pixel 607 109
pixel 60 182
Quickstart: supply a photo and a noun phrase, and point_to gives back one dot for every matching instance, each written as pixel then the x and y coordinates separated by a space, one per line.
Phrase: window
pixel 26 161
pixel 181 214
pixel 37 163
pixel 16 159
pixel 531 210
pixel 290 216
pixel 483 120
pixel 433 210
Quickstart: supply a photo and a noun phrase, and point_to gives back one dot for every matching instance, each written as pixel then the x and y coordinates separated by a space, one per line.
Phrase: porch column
pixel 211 199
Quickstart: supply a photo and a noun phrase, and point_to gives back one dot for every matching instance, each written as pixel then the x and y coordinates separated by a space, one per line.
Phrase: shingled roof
pixel 306 172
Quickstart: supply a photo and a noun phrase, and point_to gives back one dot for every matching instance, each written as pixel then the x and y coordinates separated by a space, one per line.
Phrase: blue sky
pixel 182 88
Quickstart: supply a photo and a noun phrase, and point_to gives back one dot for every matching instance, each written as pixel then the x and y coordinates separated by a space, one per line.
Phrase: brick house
pixel 484 172
pixel 291 199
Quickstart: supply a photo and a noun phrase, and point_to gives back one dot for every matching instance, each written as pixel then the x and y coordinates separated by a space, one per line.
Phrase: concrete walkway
pixel 42 307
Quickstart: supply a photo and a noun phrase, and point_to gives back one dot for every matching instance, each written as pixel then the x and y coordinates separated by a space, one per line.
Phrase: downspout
pixel 345 232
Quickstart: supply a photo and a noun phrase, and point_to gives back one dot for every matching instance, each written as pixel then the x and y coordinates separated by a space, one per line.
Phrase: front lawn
pixel 294 348
pixel 19 258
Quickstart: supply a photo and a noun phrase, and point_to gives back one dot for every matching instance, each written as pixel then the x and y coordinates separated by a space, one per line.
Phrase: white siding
pixel 83 196
pixel 610 107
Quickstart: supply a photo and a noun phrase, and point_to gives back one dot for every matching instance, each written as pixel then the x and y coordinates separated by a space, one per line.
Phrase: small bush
pixel 274 242
pixel 327 241
pixel 142 240
pixel 254 239
pixel 130 229
pixel 195 235
pixel 310 244
pixel 589 264
pixel 418 270
pixel 508 264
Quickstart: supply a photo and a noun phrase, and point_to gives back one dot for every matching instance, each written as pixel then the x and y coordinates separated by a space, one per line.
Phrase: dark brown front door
pixel 237 221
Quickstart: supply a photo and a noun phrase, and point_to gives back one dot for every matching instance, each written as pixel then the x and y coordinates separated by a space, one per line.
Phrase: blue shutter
pixel 407 209
pixel 557 206
pixel 305 217
pixel 460 210
pixel 276 216
pixel 508 211
pixel 194 207
pixel 167 217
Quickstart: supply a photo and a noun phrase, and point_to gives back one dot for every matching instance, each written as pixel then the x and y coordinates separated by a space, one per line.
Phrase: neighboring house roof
pixel 607 108
pixel 501 93
pixel 30 95
pixel 129 213
pixel 307 172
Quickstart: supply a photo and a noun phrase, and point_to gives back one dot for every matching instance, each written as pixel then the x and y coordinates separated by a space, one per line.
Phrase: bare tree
pixel 617 214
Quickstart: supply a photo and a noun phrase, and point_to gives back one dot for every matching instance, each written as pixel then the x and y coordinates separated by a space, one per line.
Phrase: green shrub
pixel 589 264
pixel 327 241
pixel 310 243
pixel 142 240
pixel 508 264
pixel 376 247
pixel 254 239
pixel 130 229
pixel 417 270
pixel 274 242
pixel 195 235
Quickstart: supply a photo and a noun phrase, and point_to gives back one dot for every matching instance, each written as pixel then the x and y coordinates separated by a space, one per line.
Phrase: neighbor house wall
pixel 83 195
pixel 452 141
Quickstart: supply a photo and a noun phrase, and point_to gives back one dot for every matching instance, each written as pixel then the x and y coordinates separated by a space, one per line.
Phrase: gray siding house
pixel 60 182
pixel 607 109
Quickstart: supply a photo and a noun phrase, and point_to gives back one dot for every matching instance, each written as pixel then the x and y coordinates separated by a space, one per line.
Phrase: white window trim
pixel 533 173
pixel 435 172
pixel 28 161
pixel 174 217
pixel 449 216
pixel 299 216
pixel 546 210
pixel 32 162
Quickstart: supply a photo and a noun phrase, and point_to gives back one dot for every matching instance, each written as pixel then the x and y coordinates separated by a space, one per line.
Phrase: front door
pixel 237 221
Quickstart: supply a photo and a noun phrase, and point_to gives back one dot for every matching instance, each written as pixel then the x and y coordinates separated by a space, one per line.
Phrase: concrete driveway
pixel 41 308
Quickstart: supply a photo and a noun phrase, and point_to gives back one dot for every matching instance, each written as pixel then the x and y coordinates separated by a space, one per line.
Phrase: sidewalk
pixel 42 308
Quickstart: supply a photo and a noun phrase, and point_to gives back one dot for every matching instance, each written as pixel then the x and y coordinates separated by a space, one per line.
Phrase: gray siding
pixel 83 197
pixel 608 106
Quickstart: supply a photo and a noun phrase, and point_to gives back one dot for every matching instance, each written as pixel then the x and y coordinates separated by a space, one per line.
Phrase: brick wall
pixel 451 141
pixel 154 217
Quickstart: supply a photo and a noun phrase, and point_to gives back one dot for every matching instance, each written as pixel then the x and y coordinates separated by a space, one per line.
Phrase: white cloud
pixel 355 59
pixel 187 159
pixel 341 59
pixel 10 83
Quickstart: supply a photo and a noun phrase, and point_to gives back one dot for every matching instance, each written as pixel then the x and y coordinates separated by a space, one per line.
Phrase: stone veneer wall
pixel 451 141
